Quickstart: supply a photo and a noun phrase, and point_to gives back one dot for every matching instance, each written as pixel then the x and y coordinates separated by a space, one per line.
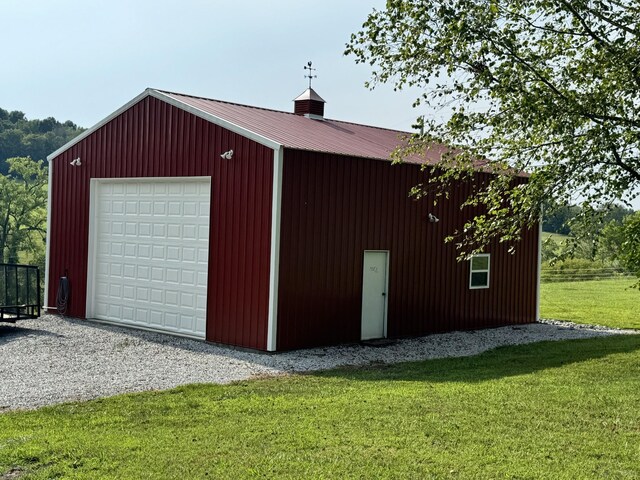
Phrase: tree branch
pixel 604 42
pixel 581 110
pixel 616 24
pixel 618 160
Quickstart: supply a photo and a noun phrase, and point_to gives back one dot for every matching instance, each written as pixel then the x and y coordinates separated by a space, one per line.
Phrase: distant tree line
pixel 21 137
pixel 23 211
pixel 24 146
pixel 563 219
pixel 611 241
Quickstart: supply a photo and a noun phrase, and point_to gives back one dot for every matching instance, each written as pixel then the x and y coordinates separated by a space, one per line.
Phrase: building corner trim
pixel 539 269
pixel 272 327
pixel 48 246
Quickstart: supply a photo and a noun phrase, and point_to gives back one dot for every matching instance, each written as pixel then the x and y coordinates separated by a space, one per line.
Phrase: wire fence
pixel 568 274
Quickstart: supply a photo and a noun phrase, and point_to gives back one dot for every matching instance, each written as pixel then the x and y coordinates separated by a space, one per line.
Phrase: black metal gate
pixel 19 292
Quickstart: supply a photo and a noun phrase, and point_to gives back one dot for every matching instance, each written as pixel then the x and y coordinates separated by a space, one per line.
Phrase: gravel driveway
pixel 53 360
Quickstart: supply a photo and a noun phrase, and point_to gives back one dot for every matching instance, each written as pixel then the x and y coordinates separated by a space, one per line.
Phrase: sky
pixel 81 60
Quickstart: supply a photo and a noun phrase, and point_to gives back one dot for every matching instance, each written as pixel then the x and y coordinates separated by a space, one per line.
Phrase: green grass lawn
pixel 557 237
pixel 602 302
pixel 552 410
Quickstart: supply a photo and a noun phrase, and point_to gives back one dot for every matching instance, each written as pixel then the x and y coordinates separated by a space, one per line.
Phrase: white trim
pixel 267 142
pixel 152 179
pixel 148 329
pixel 274 261
pixel 150 92
pixel 101 123
pixel 94 185
pixel 386 291
pixel 539 269
pixel 48 240
pixel 472 271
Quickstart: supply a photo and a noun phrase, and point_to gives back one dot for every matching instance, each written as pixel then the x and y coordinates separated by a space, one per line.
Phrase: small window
pixel 479 271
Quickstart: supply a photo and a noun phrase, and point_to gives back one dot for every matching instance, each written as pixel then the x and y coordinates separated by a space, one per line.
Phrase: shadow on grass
pixel 495 364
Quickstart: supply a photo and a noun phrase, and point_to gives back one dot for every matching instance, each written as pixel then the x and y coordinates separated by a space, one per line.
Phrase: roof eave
pixel 256 137
pixel 98 125
pixel 150 92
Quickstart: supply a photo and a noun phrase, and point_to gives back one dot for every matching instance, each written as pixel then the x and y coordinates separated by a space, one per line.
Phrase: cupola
pixel 309 104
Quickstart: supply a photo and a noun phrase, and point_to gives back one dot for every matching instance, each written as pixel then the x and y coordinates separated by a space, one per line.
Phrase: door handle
pixel 384 294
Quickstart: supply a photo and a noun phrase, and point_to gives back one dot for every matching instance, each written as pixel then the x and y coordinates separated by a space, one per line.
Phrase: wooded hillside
pixel 21 137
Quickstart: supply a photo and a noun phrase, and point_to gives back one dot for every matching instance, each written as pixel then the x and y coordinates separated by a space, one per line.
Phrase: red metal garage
pixel 264 229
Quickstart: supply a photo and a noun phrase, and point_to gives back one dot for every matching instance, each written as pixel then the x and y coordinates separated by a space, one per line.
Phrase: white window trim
pixel 487 270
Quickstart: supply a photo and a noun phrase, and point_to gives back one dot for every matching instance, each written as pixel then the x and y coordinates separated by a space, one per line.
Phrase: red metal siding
pixel 336 207
pixel 154 139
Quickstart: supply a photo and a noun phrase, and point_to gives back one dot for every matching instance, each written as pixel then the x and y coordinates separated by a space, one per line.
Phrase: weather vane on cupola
pixel 311 70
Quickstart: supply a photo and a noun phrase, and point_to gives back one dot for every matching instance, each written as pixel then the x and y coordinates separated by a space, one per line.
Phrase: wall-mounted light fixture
pixel 75 162
pixel 432 218
pixel 227 155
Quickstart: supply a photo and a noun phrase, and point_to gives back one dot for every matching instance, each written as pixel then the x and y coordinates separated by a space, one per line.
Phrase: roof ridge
pixel 275 111
pixel 369 126
pixel 222 101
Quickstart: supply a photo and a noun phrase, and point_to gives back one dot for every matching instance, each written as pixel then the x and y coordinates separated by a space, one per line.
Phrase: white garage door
pixel 151 241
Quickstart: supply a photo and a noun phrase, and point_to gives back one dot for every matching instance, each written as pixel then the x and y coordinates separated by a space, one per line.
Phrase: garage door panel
pixel 117 207
pixel 152 253
pixel 129 271
pixel 127 314
pixel 101 309
pixel 188 254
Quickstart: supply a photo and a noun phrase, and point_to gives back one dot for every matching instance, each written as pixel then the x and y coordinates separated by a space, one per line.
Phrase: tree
pixel 23 215
pixel 612 236
pixel 544 86
pixel 557 220
pixel 20 137
pixel 630 247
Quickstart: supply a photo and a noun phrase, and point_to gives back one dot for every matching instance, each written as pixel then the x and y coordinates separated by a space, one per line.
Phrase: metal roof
pixel 276 129
pixel 309 94
pixel 300 132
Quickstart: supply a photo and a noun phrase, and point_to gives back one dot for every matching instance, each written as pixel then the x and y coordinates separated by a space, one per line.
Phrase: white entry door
pixel 374 295
pixel 149 262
